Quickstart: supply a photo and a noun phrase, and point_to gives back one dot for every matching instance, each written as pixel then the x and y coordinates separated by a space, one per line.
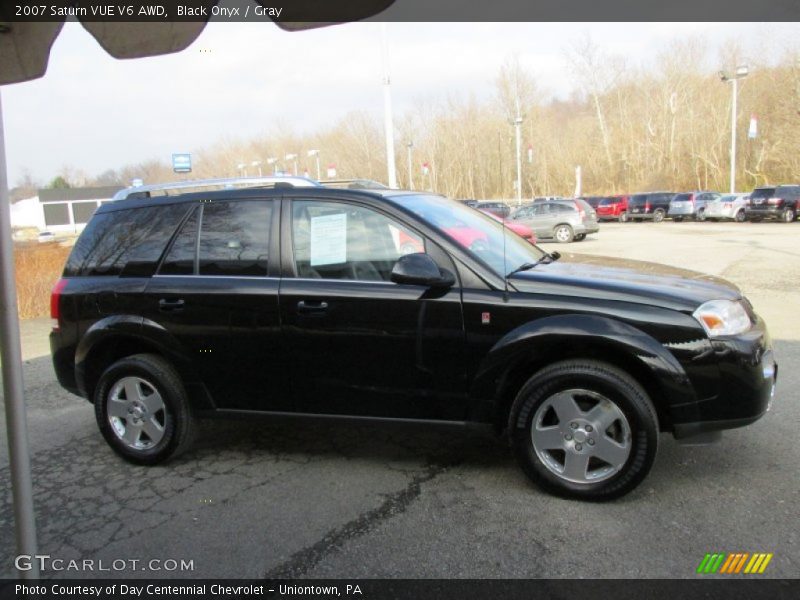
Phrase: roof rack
pixel 181 187
pixel 354 184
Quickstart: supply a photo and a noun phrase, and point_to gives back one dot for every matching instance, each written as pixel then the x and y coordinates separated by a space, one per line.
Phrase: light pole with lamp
pixel 257 163
pixel 271 162
pixel 741 72
pixel 292 157
pixel 409 147
pixel 242 169
pixel 315 154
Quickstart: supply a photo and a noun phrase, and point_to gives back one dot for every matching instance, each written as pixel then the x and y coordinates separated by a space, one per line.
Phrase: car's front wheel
pixel 788 215
pixel 142 409
pixel 584 429
pixel 658 215
pixel 563 234
pixel 623 217
pixel 741 216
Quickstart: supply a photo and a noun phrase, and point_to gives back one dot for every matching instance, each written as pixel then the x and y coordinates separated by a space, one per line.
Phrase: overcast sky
pixel 92 112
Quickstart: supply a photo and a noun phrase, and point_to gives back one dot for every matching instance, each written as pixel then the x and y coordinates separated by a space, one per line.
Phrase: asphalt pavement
pixel 325 500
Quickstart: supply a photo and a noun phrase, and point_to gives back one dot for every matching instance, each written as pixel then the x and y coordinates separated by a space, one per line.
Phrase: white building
pixel 60 210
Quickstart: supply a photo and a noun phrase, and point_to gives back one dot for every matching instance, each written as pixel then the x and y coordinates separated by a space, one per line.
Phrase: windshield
pixel 481 235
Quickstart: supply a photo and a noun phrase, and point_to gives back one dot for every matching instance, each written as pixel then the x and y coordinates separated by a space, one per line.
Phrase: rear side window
pixel 682 197
pixel 125 242
pixel 234 241
pixel 180 260
pixel 234 238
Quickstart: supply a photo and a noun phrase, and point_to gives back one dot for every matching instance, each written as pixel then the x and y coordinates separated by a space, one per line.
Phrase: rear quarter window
pixel 126 242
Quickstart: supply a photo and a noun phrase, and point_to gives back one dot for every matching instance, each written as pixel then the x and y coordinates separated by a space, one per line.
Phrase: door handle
pixel 165 305
pixel 312 307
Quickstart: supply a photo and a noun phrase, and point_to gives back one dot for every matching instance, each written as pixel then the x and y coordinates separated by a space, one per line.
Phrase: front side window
pixel 481 235
pixel 334 240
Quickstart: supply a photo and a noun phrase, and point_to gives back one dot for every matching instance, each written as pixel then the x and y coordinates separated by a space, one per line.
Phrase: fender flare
pixel 130 328
pixel 530 343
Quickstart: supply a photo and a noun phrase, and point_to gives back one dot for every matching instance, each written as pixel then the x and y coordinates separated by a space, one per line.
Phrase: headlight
pixel 723 317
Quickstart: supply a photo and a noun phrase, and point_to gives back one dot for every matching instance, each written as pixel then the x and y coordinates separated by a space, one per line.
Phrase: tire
pixel 787 216
pixel 563 233
pixel 740 216
pixel 677 219
pixel 158 423
pixel 701 215
pixel 629 438
pixel 580 237
pixel 623 217
pixel 658 215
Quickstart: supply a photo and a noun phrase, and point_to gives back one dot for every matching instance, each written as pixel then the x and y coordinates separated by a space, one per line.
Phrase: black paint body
pixel 282 344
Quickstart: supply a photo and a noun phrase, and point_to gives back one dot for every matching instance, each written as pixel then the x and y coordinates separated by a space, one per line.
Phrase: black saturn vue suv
pixel 393 305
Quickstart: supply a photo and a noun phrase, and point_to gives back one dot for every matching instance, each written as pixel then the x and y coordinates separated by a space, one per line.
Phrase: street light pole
pixel 517 127
pixel 315 153
pixel 388 123
pixel 292 157
pixel 741 72
pixel 409 146
pixel 735 83
pixel 257 163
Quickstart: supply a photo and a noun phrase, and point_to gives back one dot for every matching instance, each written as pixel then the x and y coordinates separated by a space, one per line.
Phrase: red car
pixel 521 230
pixel 466 236
pixel 613 208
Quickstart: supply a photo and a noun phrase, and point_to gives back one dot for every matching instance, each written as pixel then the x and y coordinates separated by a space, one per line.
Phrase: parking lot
pixel 299 500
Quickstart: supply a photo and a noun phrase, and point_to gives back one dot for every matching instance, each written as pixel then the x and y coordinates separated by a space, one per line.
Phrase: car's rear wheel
pixel 701 214
pixel 740 216
pixel 584 429
pixel 563 233
pixel 787 215
pixel 142 409
pixel 658 215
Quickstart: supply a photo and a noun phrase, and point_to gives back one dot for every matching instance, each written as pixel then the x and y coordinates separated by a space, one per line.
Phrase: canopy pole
pixel 11 355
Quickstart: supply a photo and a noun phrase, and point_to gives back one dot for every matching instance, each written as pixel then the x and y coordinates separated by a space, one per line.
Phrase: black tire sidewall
pixel 618 388
pixel 174 401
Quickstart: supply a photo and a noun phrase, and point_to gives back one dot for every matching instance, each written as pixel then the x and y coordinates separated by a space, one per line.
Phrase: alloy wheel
pixel 136 412
pixel 581 436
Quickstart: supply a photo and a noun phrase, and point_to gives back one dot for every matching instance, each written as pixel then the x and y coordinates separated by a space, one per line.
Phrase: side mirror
pixel 421 269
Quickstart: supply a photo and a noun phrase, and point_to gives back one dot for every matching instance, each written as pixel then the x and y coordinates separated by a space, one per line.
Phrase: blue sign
pixel 182 163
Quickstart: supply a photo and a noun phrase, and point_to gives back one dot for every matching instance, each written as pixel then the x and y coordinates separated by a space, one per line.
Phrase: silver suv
pixel 561 220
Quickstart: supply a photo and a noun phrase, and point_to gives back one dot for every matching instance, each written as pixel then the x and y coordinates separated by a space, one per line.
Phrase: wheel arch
pixel 114 338
pixel 528 349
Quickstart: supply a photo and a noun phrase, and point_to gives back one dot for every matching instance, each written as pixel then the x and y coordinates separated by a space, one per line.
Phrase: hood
pixel 606 277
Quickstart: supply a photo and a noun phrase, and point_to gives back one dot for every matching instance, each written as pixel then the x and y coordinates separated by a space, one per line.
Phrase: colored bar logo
pixel 734 563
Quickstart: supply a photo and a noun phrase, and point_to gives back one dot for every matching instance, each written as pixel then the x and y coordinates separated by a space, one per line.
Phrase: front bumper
pixel 747 376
